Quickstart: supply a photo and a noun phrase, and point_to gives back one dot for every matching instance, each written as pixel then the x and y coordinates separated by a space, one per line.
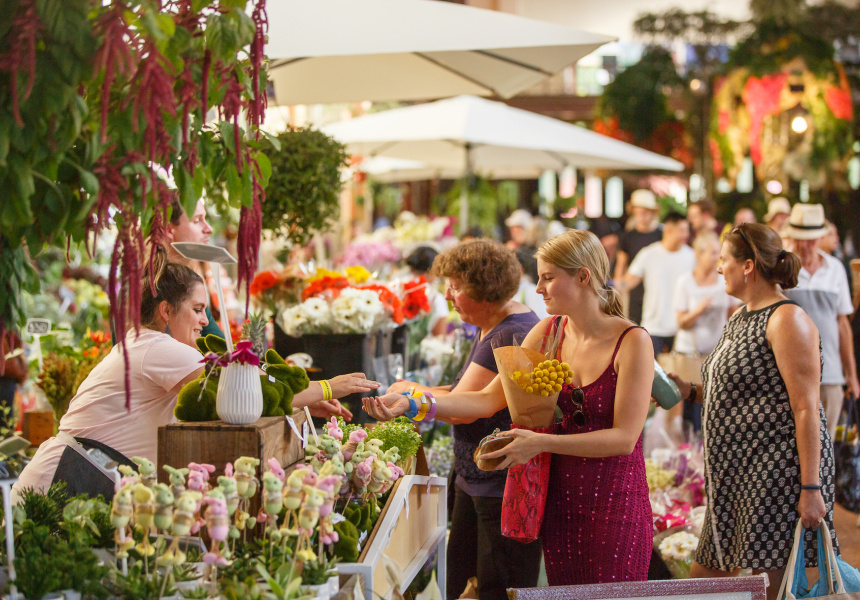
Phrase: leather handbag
pixel 524 501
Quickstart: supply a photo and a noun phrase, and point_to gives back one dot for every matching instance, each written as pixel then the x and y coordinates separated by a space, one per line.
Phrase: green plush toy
pixel 347 545
pixel 280 384
pixel 192 406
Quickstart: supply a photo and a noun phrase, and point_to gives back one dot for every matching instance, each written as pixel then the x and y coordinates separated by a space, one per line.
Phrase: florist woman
pixel 162 358
pixel 597 525
pixel 768 454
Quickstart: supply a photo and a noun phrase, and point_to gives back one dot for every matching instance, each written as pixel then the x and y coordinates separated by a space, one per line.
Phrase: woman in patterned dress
pixel 768 455
pixel 597 526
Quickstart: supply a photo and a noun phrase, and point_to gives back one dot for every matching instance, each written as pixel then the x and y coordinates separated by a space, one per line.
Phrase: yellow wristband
pixel 326 389
pixel 422 412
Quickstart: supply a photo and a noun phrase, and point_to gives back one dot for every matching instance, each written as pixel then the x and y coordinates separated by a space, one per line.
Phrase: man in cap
pixel 645 232
pixel 519 224
pixel 822 291
pixel 778 210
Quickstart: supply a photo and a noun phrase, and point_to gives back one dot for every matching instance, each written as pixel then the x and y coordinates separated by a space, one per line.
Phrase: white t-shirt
pixel 824 296
pixel 708 328
pixel 157 363
pixel 660 270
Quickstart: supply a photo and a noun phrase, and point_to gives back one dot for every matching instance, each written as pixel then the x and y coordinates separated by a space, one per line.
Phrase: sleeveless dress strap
pixel 620 339
pixel 553 325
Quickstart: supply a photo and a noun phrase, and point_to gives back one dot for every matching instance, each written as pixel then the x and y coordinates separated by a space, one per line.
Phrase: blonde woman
pixel 597 525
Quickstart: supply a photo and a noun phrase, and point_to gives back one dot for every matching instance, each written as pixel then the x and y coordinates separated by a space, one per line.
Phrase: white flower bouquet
pixel 677 547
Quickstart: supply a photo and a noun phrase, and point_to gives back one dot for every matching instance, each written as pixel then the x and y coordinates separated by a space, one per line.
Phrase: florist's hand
pixel 526 445
pixel 683 386
pixel 327 409
pixel 354 383
pixel 385 408
pixel 811 508
pixel 400 386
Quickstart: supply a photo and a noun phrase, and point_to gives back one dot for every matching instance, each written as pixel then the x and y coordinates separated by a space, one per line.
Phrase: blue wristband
pixel 413 408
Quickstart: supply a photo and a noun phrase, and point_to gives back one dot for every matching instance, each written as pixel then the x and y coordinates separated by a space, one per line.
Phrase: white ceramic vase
pixel 240 395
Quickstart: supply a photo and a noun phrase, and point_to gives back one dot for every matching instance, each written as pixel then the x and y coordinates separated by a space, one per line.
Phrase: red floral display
pixel 761 97
pixel 716 157
pixel 416 300
pixel 330 286
pixel 263 281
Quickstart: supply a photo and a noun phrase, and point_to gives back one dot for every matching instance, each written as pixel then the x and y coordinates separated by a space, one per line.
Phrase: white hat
pixel 643 199
pixel 806 222
pixel 777 206
pixel 519 218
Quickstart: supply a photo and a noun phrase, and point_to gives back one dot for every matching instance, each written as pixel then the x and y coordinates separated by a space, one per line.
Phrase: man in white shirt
pixel 657 267
pixel 822 291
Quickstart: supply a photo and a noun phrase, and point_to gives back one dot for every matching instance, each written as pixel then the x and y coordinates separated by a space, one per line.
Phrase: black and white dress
pixel 752 471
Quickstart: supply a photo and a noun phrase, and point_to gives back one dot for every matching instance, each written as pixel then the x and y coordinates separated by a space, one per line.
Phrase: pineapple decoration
pixel 254 330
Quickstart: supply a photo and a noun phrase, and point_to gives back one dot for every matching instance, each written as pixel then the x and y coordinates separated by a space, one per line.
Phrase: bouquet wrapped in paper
pixel 532 382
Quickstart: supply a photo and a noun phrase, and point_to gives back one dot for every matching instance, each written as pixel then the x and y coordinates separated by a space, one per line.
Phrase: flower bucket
pixel 240 395
pixel 317 592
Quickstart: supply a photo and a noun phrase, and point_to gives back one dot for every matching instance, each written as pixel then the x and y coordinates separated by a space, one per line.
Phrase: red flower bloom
pixel 264 281
pixel 724 121
pixel 327 285
pixel 716 157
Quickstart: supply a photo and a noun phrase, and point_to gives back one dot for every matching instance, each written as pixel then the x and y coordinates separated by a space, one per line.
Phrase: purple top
pixel 470 479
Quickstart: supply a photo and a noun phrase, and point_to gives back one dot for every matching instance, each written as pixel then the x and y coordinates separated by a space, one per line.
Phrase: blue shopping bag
pixel 835 576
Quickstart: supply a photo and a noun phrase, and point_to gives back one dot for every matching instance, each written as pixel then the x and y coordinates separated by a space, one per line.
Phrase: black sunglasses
pixel 577 396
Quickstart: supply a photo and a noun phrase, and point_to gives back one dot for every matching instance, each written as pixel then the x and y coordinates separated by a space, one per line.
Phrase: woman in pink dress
pixel 597 524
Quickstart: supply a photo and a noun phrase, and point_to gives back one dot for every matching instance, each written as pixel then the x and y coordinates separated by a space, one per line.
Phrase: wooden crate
pixel 217 443
pixel 412 525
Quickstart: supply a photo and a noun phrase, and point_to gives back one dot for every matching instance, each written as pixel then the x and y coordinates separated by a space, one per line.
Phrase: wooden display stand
pixel 412 525
pixel 217 443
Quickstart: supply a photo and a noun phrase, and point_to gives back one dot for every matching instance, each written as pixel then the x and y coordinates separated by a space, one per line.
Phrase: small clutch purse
pixel 491 443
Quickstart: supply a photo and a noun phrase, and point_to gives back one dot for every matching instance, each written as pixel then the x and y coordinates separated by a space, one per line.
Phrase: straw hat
pixel 806 222
pixel 777 206
pixel 643 199
pixel 519 218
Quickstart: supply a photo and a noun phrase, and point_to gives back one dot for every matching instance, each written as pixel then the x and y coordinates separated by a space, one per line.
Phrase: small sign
pixel 38 326
pixel 295 429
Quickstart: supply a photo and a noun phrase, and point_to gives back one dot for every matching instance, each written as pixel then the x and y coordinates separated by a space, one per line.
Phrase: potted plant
pixel 319 577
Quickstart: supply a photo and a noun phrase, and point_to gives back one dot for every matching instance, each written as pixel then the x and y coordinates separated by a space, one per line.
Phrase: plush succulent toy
pixel 196 401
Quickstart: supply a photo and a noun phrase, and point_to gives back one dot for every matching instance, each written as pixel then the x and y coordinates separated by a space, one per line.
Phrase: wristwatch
pixel 693 393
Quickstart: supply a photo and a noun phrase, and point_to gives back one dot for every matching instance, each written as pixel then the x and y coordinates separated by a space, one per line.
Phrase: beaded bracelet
pixel 326 389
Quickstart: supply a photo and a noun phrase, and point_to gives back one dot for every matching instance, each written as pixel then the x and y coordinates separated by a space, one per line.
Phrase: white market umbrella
pixel 325 51
pixel 466 135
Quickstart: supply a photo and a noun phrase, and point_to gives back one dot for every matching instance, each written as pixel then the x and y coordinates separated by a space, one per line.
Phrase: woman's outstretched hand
pixel 330 408
pixel 385 408
pixel 353 383
pixel 526 446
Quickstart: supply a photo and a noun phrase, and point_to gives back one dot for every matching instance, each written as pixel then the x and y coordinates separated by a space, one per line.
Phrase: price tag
pixel 305 435
pixel 295 429
pixel 361 538
pixel 337 518
pixel 272 379
pixel 38 326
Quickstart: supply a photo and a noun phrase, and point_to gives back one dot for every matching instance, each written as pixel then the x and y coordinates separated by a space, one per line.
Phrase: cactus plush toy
pixel 196 401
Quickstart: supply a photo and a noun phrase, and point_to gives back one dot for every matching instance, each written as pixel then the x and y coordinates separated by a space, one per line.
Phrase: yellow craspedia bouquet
pixel 545 379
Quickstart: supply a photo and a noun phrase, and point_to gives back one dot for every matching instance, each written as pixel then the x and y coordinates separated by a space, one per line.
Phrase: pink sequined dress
pixel 597 526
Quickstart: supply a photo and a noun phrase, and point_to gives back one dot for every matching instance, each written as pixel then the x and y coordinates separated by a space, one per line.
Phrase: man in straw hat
pixel 778 210
pixel 645 232
pixel 822 291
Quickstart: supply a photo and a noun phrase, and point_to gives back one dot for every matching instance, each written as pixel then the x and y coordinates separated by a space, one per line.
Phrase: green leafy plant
pixel 89 517
pixel 45 509
pixel 245 589
pixel 317 572
pixel 283 584
pixel 399 432
pixel 487 202
pixel 198 593
pixel 138 585
pixel 302 195
pixel 45 562
pixel 97 99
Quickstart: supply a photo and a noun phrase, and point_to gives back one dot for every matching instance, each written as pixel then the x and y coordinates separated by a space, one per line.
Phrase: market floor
pixel 849 535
